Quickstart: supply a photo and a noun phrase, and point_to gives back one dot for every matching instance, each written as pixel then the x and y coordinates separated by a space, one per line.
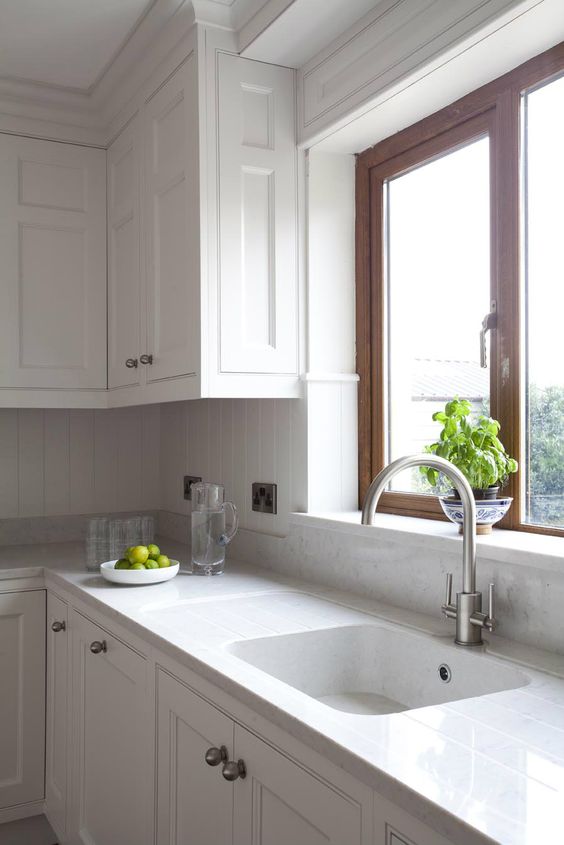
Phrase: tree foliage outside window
pixel 545 493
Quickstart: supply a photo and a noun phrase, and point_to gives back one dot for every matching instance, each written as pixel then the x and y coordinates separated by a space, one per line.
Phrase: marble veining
pixel 477 770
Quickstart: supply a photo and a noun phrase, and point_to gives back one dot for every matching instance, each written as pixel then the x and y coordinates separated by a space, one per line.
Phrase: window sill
pixel 535 551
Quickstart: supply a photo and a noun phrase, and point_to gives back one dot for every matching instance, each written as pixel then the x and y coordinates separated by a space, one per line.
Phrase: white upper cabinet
pixel 124 263
pixel 53 275
pixel 214 142
pixel 197 243
pixel 172 233
pixel 257 217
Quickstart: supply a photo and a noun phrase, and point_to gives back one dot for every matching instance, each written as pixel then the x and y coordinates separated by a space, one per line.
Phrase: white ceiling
pixel 64 42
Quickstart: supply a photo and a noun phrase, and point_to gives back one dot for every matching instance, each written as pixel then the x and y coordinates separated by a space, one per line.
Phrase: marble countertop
pixel 478 770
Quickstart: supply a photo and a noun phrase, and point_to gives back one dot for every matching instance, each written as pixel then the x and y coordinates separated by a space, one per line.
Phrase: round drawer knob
pixel 97 647
pixel 215 756
pixel 146 359
pixel 233 770
pixel 58 626
pixel 131 363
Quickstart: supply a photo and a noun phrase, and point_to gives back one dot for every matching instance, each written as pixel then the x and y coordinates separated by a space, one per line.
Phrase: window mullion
pixel 506 369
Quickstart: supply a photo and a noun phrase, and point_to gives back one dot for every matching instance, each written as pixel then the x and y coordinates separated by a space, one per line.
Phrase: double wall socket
pixel 264 497
pixel 188 481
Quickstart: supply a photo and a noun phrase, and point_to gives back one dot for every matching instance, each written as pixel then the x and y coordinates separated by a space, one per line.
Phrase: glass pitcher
pixel 209 535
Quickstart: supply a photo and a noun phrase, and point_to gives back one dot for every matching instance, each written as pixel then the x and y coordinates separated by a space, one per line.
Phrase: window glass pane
pixel 438 292
pixel 544 305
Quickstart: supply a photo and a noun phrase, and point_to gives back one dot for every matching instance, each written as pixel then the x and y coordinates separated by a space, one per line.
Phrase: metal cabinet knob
pixel 215 756
pixel 132 363
pixel 146 359
pixel 58 626
pixel 97 647
pixel 233 770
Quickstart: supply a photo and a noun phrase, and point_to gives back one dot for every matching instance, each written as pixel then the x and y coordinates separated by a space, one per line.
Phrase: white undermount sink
pixel 373 670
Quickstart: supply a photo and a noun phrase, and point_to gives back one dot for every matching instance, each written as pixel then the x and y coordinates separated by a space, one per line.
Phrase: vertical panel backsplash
pixel 55 462
pixel 232 441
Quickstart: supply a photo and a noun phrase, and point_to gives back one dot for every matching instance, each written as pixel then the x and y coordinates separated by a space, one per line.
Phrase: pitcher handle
pixel 228 535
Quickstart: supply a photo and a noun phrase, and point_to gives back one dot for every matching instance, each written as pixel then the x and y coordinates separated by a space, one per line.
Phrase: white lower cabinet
pixel 194 803
pixel 277 802
pixel 56 781
pixel 393 826
pixel 111 758
pixel 281 803
pixel 134 740
pixel 22 698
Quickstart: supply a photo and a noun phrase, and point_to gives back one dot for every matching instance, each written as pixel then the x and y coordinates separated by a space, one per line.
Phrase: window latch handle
pixel 488 323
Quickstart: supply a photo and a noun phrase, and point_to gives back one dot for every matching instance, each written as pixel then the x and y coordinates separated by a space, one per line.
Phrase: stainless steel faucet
pixel 468 608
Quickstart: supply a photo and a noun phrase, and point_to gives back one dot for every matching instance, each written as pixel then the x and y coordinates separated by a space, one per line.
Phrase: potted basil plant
pixel 473 446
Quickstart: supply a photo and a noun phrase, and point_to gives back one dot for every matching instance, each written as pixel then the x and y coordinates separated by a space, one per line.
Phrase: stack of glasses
pixel 107 539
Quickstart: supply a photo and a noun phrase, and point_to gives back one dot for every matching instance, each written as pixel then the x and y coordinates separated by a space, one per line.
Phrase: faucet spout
pixel 467 612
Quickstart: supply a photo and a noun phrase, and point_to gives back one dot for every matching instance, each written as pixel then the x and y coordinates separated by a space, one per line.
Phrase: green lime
pixel 137 566
pixel 151 564
pixel 121 564
pixel 163 561
pixel 138 554
pixel 154 551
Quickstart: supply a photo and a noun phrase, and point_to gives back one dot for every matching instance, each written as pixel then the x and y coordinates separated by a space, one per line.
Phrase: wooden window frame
pixel 493 109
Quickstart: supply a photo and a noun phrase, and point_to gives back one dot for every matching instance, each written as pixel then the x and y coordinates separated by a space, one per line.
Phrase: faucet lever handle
pixel 448 594
pixel 448 608
pixel 491 620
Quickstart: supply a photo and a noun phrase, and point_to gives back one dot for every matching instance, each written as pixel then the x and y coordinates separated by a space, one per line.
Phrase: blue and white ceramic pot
pixel 488 512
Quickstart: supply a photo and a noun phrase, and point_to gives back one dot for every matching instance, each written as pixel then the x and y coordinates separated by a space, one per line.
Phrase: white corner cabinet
pixel 130 737
pixel 53 275
pixel 202 232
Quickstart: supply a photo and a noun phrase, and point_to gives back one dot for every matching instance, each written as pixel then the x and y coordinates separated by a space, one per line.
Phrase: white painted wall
pixel 332 436
pixel 331 256
pixel 56 462
pixel 235 442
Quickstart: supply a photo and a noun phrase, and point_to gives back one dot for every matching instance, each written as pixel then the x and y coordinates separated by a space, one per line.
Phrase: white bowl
pixel 138 577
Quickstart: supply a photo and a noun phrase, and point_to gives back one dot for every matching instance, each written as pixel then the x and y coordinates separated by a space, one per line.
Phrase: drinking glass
pixel 97 542
pixel 124 533
pixel 147 529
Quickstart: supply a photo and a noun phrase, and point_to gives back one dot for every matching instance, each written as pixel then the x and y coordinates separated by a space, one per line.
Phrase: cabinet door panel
pixel 53 244
pixel 57 714
pixel 124 265
pixel 257 218
pixel 172 226
pixel 111 784
pixel 22 698
pixel 280 803
pixel 393 826
pixel 194 802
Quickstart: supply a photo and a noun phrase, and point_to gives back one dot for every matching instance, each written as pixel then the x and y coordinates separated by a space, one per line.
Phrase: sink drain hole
pixel 444 673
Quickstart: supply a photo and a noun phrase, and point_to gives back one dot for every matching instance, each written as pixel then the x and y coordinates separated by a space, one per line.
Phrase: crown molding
pixel 94 115
pixel 252 17
pixel 70 114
